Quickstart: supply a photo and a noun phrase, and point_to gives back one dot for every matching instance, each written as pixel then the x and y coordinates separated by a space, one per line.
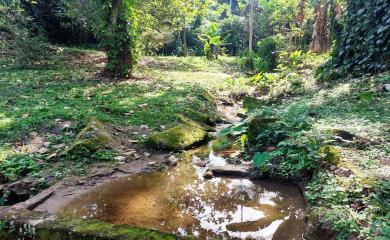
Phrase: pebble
pixel 208 175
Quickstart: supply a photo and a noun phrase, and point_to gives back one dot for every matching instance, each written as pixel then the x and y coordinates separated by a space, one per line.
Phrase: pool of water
pixel 180 201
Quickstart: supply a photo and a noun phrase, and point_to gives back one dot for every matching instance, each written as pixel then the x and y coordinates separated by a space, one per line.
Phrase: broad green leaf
pixel 260 159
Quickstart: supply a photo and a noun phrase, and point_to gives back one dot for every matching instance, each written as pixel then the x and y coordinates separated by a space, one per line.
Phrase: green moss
pixel 197 116
pixel 332 154
pixel 60 228
pixel 93 137
pixel 193 123
pixel 179 137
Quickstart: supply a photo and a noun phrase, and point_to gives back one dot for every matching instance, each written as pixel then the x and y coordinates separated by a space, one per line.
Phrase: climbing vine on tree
pixel 116 27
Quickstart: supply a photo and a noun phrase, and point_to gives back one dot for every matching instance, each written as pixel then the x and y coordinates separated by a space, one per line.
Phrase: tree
pixel 251 16
pixel 320 39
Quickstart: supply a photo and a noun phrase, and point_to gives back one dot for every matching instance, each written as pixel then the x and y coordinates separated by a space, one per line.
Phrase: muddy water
pixel 180 201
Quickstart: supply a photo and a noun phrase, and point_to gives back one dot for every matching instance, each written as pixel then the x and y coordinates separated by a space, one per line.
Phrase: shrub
pixel 26 47
pixel 17 166
pixel 267 54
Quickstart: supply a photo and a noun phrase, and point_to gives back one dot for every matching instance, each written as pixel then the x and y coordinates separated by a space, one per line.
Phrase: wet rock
pixel 234 171
pixel 208 175
pixel 332 154
pixel 171 161
pixel 343 172
pixel 256 125
pixel 93 137
pixel 177 138
pixel 193 123
pixel 343 135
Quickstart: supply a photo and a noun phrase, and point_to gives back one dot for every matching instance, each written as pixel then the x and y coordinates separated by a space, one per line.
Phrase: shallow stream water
pixel 180 201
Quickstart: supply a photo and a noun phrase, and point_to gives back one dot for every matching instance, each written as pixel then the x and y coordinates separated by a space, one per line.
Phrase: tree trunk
pixel 250 47
pixel 118 46
pixel 184 38
pixel 301 14
pixel 320 38
pixel 184 34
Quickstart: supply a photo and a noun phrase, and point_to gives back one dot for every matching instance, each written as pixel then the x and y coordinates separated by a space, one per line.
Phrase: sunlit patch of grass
pixel 5 122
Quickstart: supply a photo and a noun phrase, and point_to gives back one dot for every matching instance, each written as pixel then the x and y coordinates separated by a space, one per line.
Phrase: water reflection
pixel 181 201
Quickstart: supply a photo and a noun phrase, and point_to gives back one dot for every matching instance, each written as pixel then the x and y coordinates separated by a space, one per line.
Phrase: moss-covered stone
pixel 256 125
pixel 40 226
pixel 93 137
pixel 180 137
pixel 198 116
pixel 332 154
pixel 196 124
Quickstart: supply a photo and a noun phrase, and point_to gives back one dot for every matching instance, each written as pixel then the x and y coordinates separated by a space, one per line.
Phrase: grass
pixel 70 89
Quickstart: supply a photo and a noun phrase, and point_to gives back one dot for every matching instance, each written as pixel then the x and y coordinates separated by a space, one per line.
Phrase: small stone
pixel 366 190
pixel 173 163
pixel 152 164
pixel 208 175
pixel 200 163
pixel 136 156
pixel 146 154
pixel 386 87
pixel 343 172
pixel 46 144
pixel 162 127
pixel 119 158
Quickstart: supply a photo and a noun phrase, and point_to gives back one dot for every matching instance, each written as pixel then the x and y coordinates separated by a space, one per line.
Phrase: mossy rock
pixel 18 225
pixel 196 124
pixel 258 124
pixel 209 98
pixel 180 137
pixel 93 137
pixel 198 116
pixel 332 154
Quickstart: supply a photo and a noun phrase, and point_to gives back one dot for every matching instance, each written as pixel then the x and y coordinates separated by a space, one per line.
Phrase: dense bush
pixel 266 58
pixel 364 44
pixel 24 45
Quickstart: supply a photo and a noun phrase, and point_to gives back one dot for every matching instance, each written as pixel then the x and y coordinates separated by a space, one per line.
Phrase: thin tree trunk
pixel 301 14
pixel 184 40
pixel 231 6
pixel 250 47
pixel 320 38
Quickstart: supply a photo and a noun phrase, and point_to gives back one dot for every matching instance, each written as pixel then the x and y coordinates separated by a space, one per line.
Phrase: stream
pixel 181 201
